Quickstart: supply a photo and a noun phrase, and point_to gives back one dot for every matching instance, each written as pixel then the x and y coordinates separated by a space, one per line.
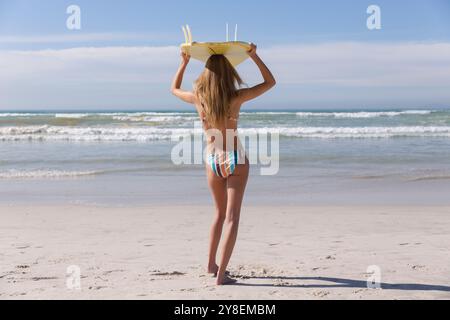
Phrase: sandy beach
pixel 282 252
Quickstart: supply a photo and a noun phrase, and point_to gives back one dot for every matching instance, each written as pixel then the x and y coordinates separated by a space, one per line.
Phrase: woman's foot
pixel 225 280
pixel 214 269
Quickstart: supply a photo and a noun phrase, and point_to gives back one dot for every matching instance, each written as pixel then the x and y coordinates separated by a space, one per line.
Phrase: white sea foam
pixel 43 174
pixel 56 133
pixel 355 132
pixel 96 114
pixel 71 115
pixel 6 115
pixel 128 116
pixel 363 114
pixel 266 113
pixel 153 116
pixel 152 113
pixel 159 118
pixel 59 133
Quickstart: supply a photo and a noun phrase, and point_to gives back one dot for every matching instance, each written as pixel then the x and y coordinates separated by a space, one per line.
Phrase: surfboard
pixel 234 51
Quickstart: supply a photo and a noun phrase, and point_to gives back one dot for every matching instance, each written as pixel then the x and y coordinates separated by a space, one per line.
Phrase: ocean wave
pixel 363 114
pixel 13 115
pixel 411 177
pixel 159 118
pixel 57 133
pixel 364 132
pixel 430 178
pixel 162 113
pixel 270 113
pixel 146 117
pixel 71 115
pixel 43 174
pixel 146 113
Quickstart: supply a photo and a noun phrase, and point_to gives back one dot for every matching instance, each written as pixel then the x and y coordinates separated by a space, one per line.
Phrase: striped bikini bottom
pixel 223 164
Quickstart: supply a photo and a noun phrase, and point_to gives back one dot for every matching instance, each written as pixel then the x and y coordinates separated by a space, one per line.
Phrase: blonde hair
pixel 216 87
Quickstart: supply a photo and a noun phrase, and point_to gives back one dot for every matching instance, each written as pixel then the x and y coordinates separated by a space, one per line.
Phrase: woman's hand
pixel 252 51
pixel 185 58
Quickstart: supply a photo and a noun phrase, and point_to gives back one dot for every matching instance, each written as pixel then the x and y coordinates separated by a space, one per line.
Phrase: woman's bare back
pixel 228 129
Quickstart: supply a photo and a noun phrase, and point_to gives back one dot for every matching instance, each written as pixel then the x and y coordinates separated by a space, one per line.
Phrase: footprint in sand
pixel 189 290
pixel 273 292
pixel 359 290
pixel 174 273
pixel 18 294
pixel 319 268
pixel 321 293
pixel 417 267
pixel 44 278
pixel 7 274
pixel 273 244
pixel 22 246
pixel 281 283
pixel 105 273
pixel 97 288
pixel 407 243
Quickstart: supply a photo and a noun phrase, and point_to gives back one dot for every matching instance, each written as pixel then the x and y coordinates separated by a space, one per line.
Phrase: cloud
pixel 140 76
pixel 88 65
pixel 108 77
pixel 75 37
pixel 362 64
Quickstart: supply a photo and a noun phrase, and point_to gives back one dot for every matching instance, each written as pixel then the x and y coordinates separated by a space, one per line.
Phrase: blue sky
pixel 321 51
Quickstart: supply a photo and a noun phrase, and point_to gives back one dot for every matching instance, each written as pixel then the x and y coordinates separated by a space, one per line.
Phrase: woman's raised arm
pixel 269 80
pixel 186 96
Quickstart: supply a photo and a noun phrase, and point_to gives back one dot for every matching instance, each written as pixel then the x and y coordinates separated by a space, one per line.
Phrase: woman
pixel 218 98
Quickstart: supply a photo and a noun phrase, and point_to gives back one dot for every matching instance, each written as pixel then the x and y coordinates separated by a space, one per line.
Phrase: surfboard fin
pixel 227 32
pixel 235 33
pixel 189 33
pixel 185 34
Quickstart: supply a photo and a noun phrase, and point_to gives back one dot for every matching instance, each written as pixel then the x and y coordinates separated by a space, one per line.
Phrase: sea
pixel 324 157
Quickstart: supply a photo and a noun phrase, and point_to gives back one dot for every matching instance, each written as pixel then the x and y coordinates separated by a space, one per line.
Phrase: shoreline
pixel 159 252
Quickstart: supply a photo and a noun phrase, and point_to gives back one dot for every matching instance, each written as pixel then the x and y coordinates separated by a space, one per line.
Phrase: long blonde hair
pixel 216 87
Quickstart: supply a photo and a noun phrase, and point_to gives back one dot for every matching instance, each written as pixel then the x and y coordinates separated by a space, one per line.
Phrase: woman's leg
pixel 218 187
pixel 235 190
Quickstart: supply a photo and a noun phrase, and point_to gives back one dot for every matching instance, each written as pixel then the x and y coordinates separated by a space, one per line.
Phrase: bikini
pixel 222 163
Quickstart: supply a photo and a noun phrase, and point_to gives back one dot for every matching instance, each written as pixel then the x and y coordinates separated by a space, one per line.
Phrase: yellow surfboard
pixel 234 51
